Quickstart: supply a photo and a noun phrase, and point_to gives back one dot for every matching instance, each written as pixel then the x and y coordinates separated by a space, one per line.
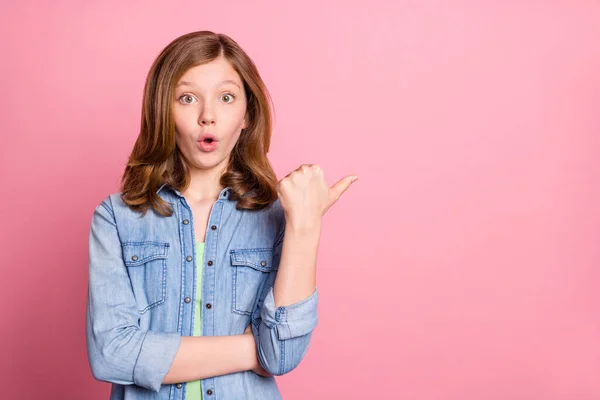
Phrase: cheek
pixel 233 139
pixel 177 136
pixel 181 138
pixel 182 129
pixel 184 119
pixel 237 122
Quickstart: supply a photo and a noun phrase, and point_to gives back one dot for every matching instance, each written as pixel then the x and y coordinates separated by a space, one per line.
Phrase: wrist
pixel 303 224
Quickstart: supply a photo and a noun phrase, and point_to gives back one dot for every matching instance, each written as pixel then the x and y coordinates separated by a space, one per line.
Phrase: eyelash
pixel 186 94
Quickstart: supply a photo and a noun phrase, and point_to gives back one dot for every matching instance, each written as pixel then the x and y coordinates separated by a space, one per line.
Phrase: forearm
pixel 289 311
pixel 296 277
pixel 200 357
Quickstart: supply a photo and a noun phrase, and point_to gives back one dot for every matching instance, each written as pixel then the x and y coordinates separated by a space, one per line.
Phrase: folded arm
pixel 119 351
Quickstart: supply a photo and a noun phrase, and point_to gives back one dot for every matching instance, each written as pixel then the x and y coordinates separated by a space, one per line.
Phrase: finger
pixel 341 186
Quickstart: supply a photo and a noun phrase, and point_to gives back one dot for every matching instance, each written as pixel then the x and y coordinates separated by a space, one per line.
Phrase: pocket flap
pixel 138 253
pixel 259 259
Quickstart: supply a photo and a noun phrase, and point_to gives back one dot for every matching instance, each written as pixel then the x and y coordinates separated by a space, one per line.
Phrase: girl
pixel 202 269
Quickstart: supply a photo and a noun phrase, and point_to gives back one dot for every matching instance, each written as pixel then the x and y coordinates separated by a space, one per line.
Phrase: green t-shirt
pixel 193 388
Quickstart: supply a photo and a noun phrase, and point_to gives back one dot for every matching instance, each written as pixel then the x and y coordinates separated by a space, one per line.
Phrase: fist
pixel 305 195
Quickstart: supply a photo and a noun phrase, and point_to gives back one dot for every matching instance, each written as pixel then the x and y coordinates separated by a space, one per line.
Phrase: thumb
pixel 341 186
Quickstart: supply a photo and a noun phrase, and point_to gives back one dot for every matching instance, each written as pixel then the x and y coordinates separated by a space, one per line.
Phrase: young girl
pixel 202 269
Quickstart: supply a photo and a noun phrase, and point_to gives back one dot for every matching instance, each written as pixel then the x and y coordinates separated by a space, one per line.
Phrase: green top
pixel 194 388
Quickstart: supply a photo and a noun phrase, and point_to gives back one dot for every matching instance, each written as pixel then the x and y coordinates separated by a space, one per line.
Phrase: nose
pixel 207 116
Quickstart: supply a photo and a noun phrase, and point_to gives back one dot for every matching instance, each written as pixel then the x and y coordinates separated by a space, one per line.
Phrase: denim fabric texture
pixel 141 296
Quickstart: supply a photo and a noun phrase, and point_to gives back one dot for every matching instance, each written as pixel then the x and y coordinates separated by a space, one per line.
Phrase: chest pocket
pixel 147 267
pixel 251 268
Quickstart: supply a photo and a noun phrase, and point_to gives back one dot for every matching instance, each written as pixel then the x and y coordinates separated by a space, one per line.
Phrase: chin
pixel 207 164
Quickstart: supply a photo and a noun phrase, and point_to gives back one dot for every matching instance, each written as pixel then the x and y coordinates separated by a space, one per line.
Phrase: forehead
pixel 210 74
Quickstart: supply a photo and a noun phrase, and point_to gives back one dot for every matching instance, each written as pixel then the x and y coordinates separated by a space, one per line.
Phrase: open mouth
pixel 208 144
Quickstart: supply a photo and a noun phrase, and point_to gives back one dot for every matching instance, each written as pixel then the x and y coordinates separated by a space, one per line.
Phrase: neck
pixel 205 184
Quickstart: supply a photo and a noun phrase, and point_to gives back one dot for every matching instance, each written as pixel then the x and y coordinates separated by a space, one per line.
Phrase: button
pixel 189 258
pixel 209 392
pixel 185 221
pixel 263 263
pixel 210 263
pixel 187 299
pixel 214 227
pixel 178 386
pixel 209 306
pixel 134 258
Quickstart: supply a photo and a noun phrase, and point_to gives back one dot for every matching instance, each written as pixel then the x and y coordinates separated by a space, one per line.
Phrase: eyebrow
pixel 186 83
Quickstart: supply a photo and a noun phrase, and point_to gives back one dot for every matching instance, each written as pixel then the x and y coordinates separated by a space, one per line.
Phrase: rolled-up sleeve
pixel 118 350
pixel 283 334
pixel 290 321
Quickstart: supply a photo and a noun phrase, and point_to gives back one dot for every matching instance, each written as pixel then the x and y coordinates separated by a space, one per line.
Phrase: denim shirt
pixel 141 296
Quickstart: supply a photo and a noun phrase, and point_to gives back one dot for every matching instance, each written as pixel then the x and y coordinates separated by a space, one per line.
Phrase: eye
pixel 228 97
pixel 187 98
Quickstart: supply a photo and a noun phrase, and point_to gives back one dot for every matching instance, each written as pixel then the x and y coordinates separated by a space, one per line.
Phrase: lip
pixel 207 135
pixel 204 146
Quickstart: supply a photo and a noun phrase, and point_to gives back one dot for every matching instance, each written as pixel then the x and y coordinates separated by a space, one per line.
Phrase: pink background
pixel 462 265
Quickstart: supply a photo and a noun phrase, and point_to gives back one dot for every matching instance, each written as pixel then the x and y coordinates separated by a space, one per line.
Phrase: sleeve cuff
pixel 155 359
pixel 291 321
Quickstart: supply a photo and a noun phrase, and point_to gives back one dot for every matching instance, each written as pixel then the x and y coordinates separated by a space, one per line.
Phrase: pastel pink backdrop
pixel 462 265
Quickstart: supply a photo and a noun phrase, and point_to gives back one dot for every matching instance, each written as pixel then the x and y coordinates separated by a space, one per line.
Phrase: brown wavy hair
pixel 156 159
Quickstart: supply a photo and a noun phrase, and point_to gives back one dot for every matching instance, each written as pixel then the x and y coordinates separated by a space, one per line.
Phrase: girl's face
pixel 209 100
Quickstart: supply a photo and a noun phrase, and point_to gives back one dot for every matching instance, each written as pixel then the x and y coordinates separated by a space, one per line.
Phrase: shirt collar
pixel 223 195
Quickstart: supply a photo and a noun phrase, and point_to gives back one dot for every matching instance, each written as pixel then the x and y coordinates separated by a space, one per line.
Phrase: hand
pixel 304 194
pixel 258 369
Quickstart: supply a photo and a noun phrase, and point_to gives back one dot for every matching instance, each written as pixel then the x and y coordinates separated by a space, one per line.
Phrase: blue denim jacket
pixel 141 296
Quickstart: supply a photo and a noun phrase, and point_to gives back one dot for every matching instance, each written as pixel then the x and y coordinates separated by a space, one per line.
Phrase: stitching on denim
pixel 146 242
pixel 282 357
pixel 144 260
pixel 163 289
pixel 256 307
pixel 252 250
pixel 237 259
pixel 182 284
pixel 110 211
pixel 164 280
pixel 236 264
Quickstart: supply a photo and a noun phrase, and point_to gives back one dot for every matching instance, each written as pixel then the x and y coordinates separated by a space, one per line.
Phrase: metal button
pixel 187 299
pixel 134 258
pixel 209 392
pixel 210 263
pixel 214 227
pixel 189 258
pixel 263 263
pixel 178 386
pixel 185 221
pixel 209 306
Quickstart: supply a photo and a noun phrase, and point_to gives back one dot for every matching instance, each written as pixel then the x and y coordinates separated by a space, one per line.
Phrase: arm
pixel 296 278
pixel 119 351
pixel 221 354
pixel 289 312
